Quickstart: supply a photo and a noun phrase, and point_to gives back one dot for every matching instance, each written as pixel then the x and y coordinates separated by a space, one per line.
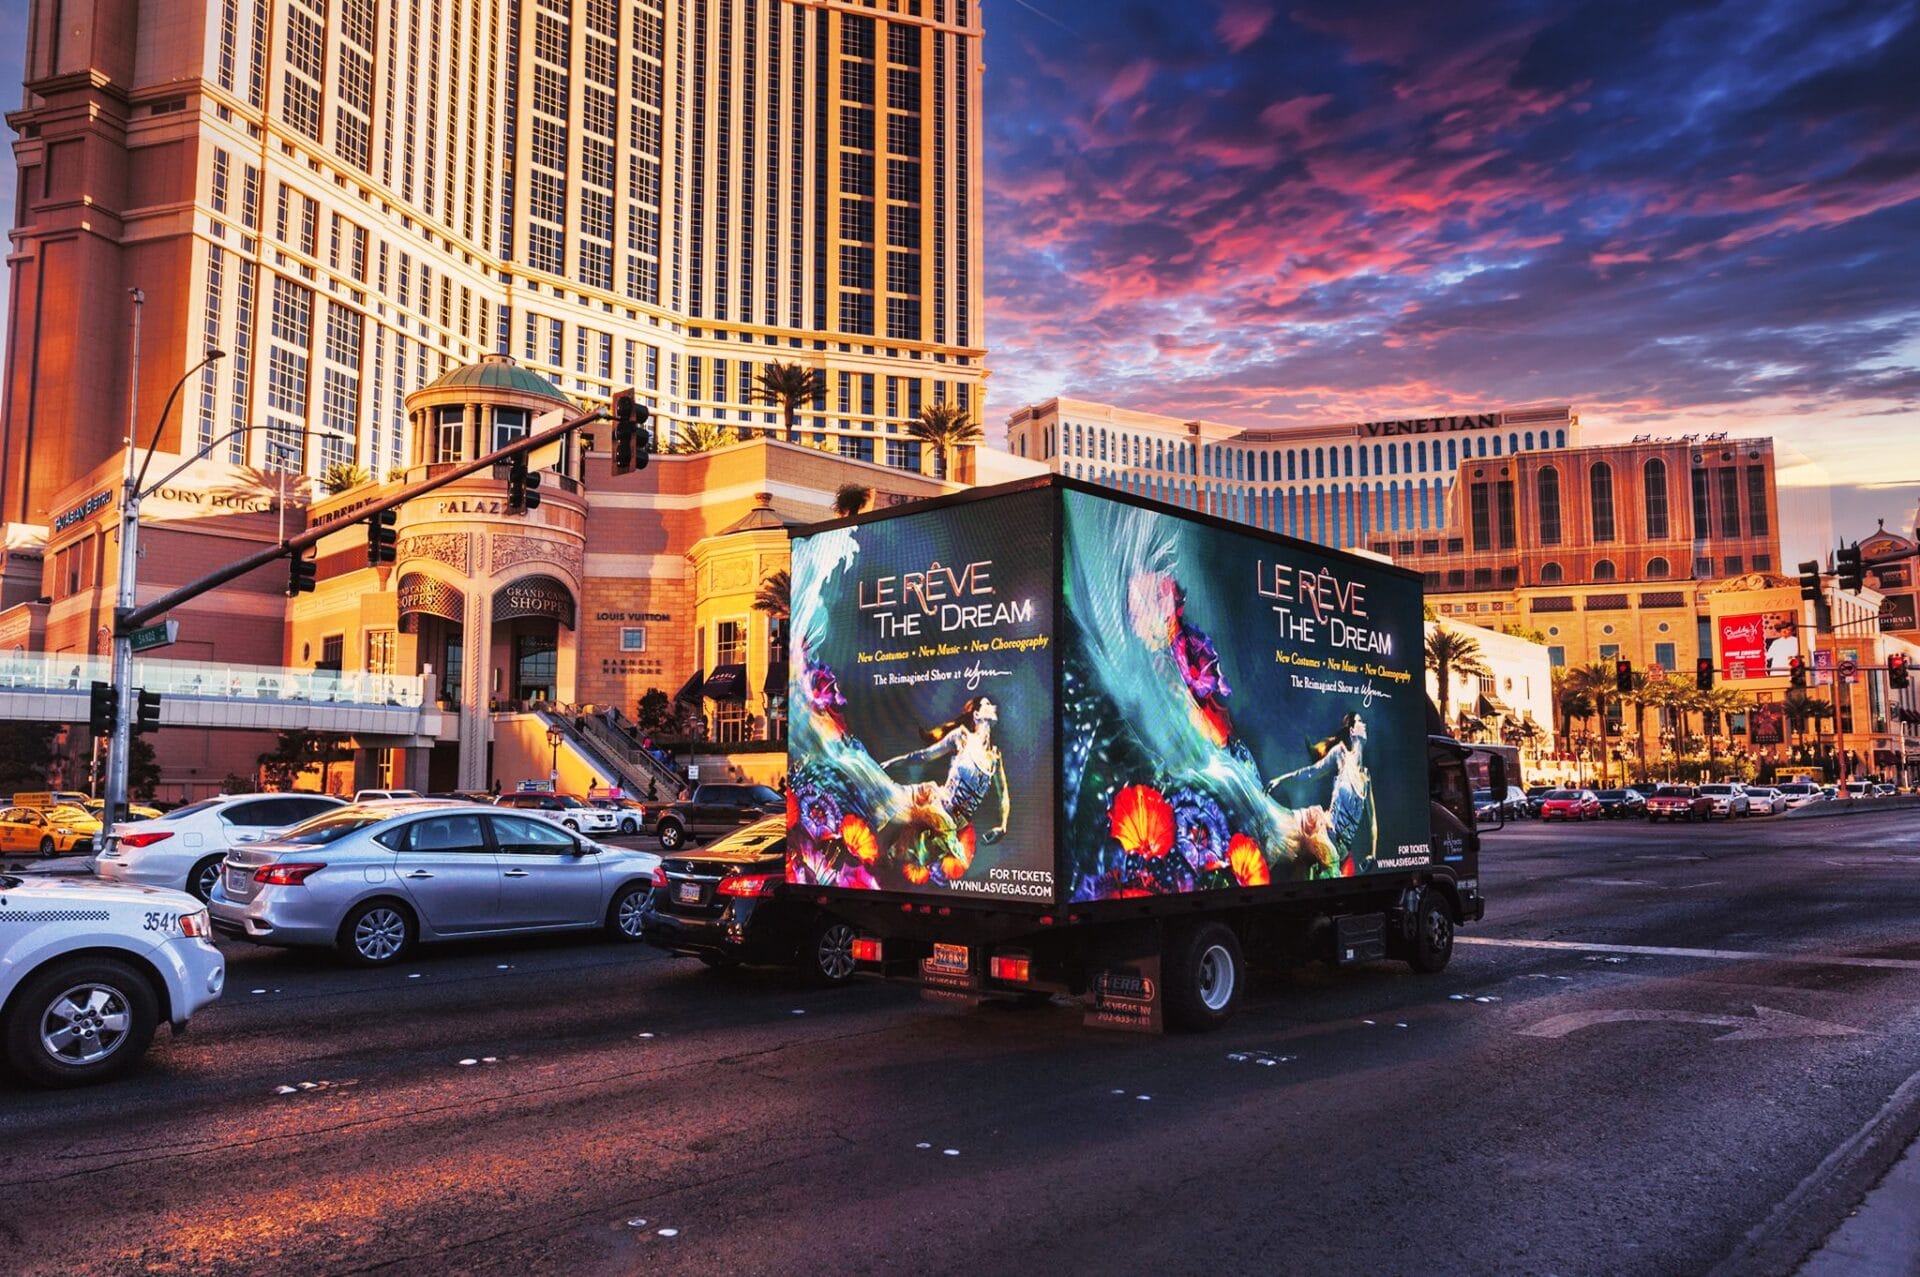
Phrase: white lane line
pixel 1719 955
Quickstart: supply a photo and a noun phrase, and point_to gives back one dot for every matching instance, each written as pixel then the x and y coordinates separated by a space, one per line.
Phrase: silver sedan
pixel 373 881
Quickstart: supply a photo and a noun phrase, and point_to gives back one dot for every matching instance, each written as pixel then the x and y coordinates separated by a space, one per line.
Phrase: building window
pixel 1507 521
pixel 1729 501
pixel 1557 657
pixel 449 434
pixel 1654 481
pixel 1658 569
pixel 333 650
pixel 730 643
pixel 1481 516
pixel 508 424
pixel 731 723
pixel 1735 564
pixel 380 650
pixel 1604 570
pixel 1600 489
pixel 1547 488
pixel 633 638
pixel 1550 574
pixel 1757 522
pixel 1665 657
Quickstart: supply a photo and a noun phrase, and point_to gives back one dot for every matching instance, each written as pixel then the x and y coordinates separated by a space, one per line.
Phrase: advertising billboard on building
pixel 1767 724
pixel 921 698
pixel 1897 613
pixel 1758 644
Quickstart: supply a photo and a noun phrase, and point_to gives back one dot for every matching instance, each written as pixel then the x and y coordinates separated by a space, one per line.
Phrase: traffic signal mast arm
pixel 134 618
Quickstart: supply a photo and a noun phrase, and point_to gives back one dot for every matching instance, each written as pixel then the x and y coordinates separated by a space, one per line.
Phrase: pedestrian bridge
pixel 380 710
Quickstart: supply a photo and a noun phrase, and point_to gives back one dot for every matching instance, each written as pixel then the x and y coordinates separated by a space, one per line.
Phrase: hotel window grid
pixel 1757 523
pixel 1729 484
pixel 1600 493
pixel 1654 484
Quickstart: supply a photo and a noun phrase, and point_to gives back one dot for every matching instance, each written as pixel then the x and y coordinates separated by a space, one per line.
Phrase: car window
pixel 257 813
pixel 520 835
pixel 192 809
pixel 444 833
pixel 1560 793
pixel 331 829
pixel 298 809
pixel 763 796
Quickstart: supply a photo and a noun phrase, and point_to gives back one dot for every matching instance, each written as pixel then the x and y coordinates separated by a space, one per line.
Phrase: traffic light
pixel 1623 677
pixel 632 444
pixel 382 541
pixel 1896 670
pixel 1797 671
pixel 301 572
pixel 1810 581
pixel 146 712
pixel 521 483
pixel 1703 673
pixel 100 710
pixel 1846 566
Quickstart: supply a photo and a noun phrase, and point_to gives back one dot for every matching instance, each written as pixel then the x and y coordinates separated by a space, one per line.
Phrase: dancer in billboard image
pixel 968 739
pixel 1341 757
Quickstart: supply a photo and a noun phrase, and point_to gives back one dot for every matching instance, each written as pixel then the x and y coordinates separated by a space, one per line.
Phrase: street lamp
pixel 554 736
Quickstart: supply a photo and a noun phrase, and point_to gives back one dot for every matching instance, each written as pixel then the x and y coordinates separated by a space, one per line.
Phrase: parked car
pixel 373 881
pixel 1512 807
pixel 63 830
pixel 135 811
pixel 1729 800
pixel 1885 791
pixel 1795 794
pixel 1765 800
pixel 1536 794
pixel 376 795
pixel 1679 802
pixel 183 849
pixel 88 970
pixel 632 812
pixel 1570 804
pixel 1615 803
pixel 572 813
pixel 714 809
pixel 729 903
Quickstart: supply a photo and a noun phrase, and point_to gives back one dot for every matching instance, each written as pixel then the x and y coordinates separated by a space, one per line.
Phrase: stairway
pixel 632 768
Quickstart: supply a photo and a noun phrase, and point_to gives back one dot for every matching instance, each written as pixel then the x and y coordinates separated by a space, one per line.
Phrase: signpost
pixel 165 634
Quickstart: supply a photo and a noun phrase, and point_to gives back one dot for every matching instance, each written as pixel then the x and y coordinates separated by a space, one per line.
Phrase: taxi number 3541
pixel 169 922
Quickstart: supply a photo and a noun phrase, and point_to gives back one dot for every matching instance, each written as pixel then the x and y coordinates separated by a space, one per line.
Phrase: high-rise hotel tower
pixel 350 196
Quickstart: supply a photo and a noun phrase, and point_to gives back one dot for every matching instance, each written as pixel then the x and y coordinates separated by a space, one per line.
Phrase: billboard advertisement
pixel 1897 613
pixel 1758 644
pixel 1767 724
pixel 920 694
pixel 1234 712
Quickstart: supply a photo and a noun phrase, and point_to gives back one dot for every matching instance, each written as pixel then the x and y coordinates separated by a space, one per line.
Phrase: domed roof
pixel 762 518
pixel 498 372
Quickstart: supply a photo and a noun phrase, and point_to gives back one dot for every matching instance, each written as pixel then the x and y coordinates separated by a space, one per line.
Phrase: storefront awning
pixel 534 598
pixel 421 595
pixel 689 693
pixel 776 684
pixel 726 683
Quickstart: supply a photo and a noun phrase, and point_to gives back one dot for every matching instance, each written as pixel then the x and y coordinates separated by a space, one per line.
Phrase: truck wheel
pixel 1203 975
pixel 826 954
pixel 80 1021
pixel 1432 935
pixel 672 836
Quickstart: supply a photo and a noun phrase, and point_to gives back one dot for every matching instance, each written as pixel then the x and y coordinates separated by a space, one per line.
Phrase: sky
pixel 1676 217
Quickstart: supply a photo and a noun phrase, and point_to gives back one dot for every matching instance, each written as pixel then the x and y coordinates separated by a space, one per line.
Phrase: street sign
pixel 163 634
pixel 1849 669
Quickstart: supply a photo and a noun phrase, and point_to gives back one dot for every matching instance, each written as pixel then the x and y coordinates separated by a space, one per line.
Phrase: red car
pixel 1570 804
pixel 1679 802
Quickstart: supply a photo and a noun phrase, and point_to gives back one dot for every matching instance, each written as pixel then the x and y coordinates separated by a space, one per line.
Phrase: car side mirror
pixel 583 849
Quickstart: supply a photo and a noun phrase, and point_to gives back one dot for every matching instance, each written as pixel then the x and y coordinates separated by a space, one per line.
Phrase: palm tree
pixel 775 596
pixel 1645 694
pixel 344 476
pixel 703 436
pixel 790 386
pixel 851 499
pixel 945 427
pixel 1596 679
pixel 1450 652
pixel 1570 703
pixel 1802 707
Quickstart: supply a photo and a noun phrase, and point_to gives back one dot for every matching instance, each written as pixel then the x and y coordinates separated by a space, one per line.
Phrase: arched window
pixel 1513 444
pixel 1421 452
pixel 1550 574
pixel 1529 441
pixel 1547 504
pixel 1496 445
pixel 1600 495
pixel 1292 473
pixel 1349 458
pixel 1319 463
pixel 1604 570
pixel 1559 438
pixel 1453 454
pixel 1376 460
pixel 1653 479
pixel 1480 446
pixel 1658 569
pixel 1263 467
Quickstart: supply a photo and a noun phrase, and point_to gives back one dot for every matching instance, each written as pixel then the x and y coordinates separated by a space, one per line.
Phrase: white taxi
pixel 88 970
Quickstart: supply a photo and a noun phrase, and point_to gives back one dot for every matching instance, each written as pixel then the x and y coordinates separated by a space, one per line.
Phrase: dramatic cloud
pixel 1671 215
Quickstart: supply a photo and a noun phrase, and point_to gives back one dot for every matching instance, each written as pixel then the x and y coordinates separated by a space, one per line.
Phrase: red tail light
pixel 146 839
pixel 866 949
pixel 660 876
pixel 285 875
pixel 1015 969
pixel 747 885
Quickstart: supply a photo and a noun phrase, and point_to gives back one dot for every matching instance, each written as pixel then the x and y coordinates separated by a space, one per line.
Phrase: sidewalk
pixel 1881 1238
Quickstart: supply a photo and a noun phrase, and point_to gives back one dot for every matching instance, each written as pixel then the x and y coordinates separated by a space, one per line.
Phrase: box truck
pixel 1049 738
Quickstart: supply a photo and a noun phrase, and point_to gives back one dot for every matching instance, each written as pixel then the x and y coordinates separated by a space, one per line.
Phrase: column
pixel 476 717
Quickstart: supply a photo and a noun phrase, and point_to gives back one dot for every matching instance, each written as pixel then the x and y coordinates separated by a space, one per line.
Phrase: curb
pixel 1837 808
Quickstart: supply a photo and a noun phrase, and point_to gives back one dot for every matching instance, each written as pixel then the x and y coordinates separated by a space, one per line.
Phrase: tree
pixel 703 436
pixel 1646 694
pixel 1570 703
pixel 1803 707
pixel 344 476
pixel 654 715
pixel 1451 652
pixel 1524 632
pixel 26 751
pixel 775 596
pixel 790 386
pixel 945 427
pixel 1596 679
pixel 851 499
pixel 143 768
pixel 293 753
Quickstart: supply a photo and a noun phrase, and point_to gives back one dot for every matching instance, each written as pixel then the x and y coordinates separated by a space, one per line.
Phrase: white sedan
pixel 1766 800
pixel 89 969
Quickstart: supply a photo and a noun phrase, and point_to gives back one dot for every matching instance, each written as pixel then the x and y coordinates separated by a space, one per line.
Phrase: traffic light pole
pixel 121 737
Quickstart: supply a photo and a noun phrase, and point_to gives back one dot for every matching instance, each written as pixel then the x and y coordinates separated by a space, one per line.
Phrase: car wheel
pixel 624 914
pixel 672 835
pixel 826 955
pixel 377 934
pixel 202 878
pixel 80 1021
pixel 629 826
pixel 1432 935
pixel 1204 977
pixel 46 845
pixel 573 825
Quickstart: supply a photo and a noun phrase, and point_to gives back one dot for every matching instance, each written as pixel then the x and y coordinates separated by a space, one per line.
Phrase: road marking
pixel 1765 1022
pixel 1612 882
pixel 1719 955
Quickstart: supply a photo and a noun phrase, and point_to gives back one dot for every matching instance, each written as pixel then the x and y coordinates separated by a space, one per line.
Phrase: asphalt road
pixel 1666 1051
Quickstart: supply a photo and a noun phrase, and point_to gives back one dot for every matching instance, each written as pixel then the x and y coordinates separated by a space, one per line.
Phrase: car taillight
pixel 747 885
pixel 866 949
pixel 285 875
pixel 1008 968
pixel 660 876
pixel 144 839
pixel 196 924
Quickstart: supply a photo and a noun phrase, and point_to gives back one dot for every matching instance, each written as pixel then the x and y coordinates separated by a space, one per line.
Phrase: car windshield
pixel 1613 793
pixel 67 811
pixel 1561 793
pixel 194 809
pixel 9 883
pixel 568 800
pixel 331 828
pixel 1672 791
pixel 1483 795
pixel 1716 789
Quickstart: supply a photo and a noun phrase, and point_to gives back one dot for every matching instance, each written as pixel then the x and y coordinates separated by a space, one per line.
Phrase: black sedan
pixel 729 904
pixel 1622 802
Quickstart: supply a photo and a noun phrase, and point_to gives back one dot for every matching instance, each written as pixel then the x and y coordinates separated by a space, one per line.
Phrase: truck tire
pixel 80 1021
pixel 673 835
pixel 1203 973
pixel 1432 935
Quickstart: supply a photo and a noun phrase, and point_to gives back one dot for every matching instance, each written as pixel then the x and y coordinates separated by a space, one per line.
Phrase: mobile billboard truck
pixel 1047 738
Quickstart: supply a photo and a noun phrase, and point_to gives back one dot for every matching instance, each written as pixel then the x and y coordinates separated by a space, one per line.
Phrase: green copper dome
pixel 498 372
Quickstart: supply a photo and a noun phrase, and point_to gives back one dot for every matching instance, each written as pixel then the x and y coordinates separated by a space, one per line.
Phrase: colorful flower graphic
pixel 1200 830
pixel 1142 821
pixel 859 840
pixel 1249 865
pixel 1199 663
pixel 1153 601
pixel 819 812
pixel 954 867
pixel 823 692
pixel 793 808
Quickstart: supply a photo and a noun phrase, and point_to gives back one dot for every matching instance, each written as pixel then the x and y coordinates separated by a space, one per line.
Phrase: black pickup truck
pixel 714 809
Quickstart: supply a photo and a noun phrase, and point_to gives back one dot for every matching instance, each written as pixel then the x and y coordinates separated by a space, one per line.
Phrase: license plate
pixel 237 879
pixel 687 893
pixel 949 958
